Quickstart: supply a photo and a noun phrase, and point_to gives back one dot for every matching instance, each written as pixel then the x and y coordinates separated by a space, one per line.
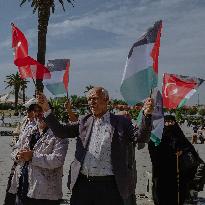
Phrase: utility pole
pixel 198 100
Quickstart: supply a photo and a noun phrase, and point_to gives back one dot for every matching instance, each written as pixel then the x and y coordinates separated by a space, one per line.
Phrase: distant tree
pixel 87 88
pixel 14 81
pixel 192 111
pixel 23 89
pixel 202 112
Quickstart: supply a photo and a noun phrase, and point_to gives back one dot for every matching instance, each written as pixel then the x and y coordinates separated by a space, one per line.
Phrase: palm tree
pixel 87 88
pixel 44 8
pixel 23 88
pixel 14 81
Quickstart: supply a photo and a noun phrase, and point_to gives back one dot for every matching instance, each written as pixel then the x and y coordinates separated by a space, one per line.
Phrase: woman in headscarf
pixel 174 165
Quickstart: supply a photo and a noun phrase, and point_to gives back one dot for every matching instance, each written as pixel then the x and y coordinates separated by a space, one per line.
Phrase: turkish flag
pixel 19 43
pixel 37 70
pixel 20 46
pixel 176 87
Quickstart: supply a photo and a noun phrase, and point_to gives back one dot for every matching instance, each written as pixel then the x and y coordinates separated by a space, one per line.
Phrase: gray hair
pixel 101 89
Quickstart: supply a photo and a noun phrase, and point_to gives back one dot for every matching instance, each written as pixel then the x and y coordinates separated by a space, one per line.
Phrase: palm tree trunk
pixel 43 19
pixel 16 94
pixel 24 95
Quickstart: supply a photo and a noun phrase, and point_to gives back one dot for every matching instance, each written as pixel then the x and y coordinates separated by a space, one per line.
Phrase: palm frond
pixel 35 8
pixel 69 1
pixel 22 2
pixel 62 4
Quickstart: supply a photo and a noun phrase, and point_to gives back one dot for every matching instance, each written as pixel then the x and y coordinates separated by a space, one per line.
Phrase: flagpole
pixel 151 91
pixel 178 196
pixel 67 95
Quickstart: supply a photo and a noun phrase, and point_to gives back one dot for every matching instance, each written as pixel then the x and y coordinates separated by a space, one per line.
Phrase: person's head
pixel 30 111
pixel 169 120
pixel 171 127
pixel 41 122
pixel 38 112
pixel 98 99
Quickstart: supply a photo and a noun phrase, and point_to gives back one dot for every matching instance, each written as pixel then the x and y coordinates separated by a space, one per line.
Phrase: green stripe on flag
pixel 155 139
pixel 139 118
pixel 56 88
pixel 182 103
pixel 138 86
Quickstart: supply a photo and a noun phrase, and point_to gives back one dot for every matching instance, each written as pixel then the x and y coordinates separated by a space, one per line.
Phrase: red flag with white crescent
pixel 20 46
pixel 38 71
pixel 27 66
pixel 177 89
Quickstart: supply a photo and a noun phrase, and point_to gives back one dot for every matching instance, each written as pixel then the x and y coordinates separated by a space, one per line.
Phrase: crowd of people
pixel 198 135
pixel 104 168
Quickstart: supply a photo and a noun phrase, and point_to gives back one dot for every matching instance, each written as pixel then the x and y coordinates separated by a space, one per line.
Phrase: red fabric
pixel 155 50
pixel 175 89
pixel 25 72
pixel 66 76
pixel 27 66
pixel 37 70
pixel 20 46
pixel 19 43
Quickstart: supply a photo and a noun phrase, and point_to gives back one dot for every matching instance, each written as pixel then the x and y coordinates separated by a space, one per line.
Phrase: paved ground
pixel 143 167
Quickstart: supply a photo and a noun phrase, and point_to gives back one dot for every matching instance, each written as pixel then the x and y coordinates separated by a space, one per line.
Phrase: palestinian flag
pixel 59 68
pixel 141 69
pixel 177 89
pixel 157 119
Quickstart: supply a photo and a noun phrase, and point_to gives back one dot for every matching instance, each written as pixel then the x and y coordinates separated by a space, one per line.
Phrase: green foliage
pixel 134 114
pixel 35 4
pixel 15 82
pixel 59 110
pixel 192 111
pixel 6 106
pixel 87 88
pixel 118 102
pixel 202 112
pixel 179 115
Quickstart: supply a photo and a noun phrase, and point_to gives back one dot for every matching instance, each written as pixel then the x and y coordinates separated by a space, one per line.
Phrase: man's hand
pixel 42 101
pixel 73 117
pixel 148 106
pixel 25 155
pixel 179 153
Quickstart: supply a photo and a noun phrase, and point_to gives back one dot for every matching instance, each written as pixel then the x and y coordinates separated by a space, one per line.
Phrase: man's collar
pixel 105 116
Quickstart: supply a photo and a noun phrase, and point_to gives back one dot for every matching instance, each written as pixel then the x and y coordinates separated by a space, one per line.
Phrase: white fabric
pixel 98 157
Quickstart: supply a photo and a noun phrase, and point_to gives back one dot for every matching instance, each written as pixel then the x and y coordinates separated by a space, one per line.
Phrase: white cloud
pixel 182 46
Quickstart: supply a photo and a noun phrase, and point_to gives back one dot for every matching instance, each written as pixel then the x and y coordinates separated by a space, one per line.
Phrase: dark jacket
pixel 164 165
pixel 122 147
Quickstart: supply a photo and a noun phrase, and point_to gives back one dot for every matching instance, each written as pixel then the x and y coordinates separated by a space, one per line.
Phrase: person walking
pixel 104 168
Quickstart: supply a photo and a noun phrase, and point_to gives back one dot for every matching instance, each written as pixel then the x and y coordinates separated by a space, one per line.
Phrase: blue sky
pixel 97 35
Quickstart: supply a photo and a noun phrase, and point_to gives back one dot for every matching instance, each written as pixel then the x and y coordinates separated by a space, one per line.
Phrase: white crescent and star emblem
pixel 173 92
pixel 19 44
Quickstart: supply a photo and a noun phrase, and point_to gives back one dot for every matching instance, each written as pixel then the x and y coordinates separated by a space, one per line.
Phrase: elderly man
pixel 104 170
